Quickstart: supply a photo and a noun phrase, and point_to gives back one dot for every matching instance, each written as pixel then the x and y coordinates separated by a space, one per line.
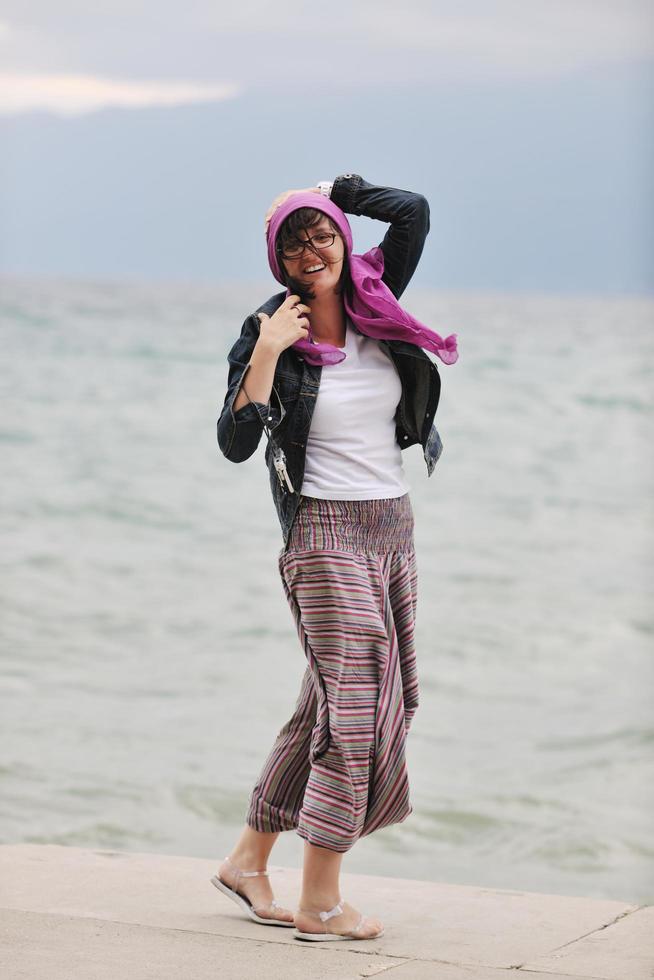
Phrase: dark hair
pixel 303 219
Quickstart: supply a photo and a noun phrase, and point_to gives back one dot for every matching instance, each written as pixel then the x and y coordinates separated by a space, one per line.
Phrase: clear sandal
pixel 354 933
pixel 244 902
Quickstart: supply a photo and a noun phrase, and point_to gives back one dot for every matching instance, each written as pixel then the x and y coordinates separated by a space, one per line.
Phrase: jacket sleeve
pixel 408 214
pixel 239 433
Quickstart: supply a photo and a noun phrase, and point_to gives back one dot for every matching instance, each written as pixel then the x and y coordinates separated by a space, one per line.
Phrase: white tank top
pixel 351 452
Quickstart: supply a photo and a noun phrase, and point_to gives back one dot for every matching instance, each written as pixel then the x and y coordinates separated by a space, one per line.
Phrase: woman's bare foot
pixel 340 923
pixel 257 890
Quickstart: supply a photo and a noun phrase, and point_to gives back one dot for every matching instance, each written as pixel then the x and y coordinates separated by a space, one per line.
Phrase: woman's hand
pixel 285 326
pixel 280 200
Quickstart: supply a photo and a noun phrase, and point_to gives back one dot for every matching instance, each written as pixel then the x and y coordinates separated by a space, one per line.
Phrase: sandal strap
pixel 274 904
pixel 323 916
pixel 359 925
pixel 337 910
pixel 246 874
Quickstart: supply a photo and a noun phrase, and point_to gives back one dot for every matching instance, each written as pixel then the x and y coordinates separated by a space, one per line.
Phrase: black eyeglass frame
pixel 306 243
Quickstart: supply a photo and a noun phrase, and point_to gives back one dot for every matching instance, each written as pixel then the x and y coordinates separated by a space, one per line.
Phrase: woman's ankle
pixel 318 903
pixel 252 849
pixel 248 860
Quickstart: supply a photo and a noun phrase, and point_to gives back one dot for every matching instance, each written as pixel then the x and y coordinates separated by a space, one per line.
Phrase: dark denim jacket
pixel 296 383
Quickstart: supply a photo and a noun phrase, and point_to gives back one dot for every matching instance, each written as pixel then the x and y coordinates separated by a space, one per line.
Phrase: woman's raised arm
pixel 408 214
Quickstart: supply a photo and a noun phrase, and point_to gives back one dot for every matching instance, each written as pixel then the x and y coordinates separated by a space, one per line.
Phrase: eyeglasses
pixel 322 240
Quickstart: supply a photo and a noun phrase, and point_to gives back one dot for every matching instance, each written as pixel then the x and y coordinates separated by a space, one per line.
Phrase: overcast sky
pixel 482 106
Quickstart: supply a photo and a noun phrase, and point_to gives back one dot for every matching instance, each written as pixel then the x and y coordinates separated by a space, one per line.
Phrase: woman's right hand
pixel 285 326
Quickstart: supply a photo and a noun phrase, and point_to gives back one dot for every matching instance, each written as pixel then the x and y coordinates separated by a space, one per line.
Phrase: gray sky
pixel 491 109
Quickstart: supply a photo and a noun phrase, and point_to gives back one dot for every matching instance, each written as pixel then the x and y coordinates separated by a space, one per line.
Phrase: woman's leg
pixel 274 802
pixel 321 892
pixel 251 853
pixel 277 795
pixel 358 779
pixel 320 878
pixel 253 849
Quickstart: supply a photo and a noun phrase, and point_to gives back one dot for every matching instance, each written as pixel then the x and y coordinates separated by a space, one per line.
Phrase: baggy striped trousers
pixel 337 770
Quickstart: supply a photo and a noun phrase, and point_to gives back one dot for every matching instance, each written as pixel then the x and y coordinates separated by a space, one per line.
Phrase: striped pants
pixel 337 770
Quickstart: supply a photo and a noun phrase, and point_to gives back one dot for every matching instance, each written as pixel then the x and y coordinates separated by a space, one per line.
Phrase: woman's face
pixel 330 257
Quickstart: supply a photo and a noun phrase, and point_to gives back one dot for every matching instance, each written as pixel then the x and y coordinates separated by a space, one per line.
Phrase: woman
pixel 333 371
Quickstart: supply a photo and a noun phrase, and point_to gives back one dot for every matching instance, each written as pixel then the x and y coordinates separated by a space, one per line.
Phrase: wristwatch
pixel 325 187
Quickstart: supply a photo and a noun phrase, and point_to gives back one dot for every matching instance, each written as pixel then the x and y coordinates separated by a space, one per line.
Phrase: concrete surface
pixel 69 913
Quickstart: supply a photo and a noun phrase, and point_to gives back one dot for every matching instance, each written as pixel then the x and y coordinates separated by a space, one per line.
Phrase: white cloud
pixel 76 95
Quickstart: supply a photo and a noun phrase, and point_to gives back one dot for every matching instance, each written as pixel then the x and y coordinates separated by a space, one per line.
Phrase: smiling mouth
pixel 315 271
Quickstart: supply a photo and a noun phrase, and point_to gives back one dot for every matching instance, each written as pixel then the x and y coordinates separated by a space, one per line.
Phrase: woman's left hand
pixel 280 200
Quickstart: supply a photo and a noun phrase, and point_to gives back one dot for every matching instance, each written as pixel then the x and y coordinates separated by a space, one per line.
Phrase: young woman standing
pixel 337 366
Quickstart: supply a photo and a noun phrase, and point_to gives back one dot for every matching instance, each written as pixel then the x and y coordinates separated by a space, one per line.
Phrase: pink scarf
pixel 374 310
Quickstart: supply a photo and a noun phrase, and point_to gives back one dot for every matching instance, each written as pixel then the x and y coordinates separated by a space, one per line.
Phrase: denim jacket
pixel 295 385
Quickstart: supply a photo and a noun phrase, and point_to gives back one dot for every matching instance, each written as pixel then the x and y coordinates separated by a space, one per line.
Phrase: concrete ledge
pixel 68 913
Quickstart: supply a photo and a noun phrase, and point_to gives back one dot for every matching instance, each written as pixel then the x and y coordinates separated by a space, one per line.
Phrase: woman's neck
pixel 328 319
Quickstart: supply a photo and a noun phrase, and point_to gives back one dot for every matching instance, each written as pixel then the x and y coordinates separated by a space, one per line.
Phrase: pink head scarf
pixel 374 310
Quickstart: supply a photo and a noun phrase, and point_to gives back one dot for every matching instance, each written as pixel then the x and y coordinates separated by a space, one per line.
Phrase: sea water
pixel 148 656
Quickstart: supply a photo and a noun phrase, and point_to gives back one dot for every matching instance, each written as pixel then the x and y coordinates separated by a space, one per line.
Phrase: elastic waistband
pixel 378 526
